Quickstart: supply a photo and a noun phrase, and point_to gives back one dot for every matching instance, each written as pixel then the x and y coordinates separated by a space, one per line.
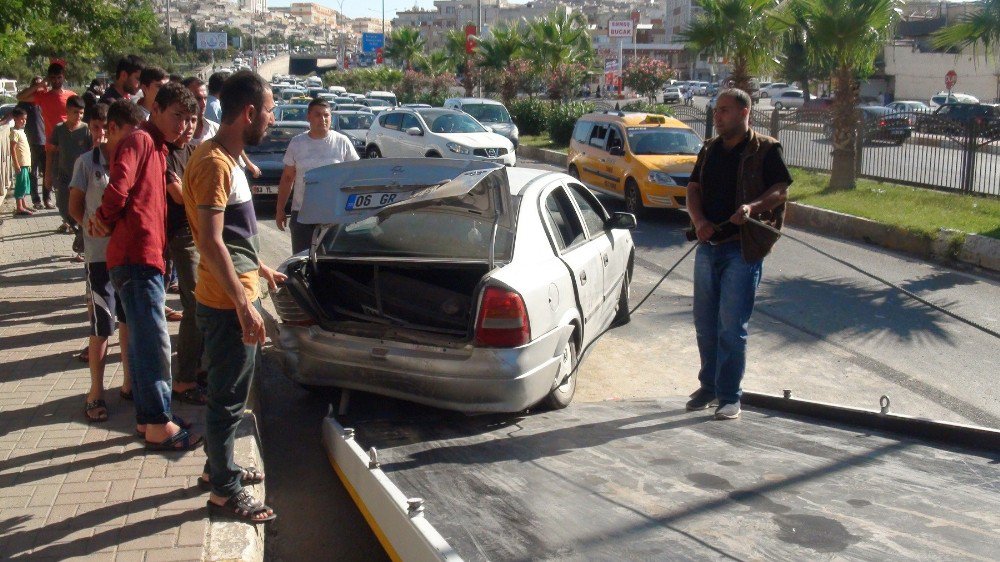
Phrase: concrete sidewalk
pixel 69 488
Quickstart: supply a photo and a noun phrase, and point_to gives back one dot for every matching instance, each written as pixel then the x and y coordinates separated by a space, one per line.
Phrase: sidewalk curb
pixel 948 247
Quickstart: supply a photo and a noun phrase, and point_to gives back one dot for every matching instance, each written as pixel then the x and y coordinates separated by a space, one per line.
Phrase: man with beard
pixel 220 211
pixel 126 82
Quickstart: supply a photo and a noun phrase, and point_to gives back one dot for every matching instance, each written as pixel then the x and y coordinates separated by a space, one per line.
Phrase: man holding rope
pixel 738 174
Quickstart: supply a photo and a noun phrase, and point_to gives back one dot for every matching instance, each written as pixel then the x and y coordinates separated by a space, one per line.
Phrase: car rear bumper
pixel 467 378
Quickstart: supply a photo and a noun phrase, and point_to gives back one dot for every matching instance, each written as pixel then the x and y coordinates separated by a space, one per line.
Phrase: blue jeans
pixel 724 289
pixel 230 370
pixel 140 288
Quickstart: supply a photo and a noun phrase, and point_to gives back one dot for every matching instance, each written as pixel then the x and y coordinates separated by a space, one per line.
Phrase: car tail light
pixel 881 123
pixel 503 319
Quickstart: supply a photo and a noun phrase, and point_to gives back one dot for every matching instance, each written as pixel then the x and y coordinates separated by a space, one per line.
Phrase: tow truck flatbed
pixel 646 480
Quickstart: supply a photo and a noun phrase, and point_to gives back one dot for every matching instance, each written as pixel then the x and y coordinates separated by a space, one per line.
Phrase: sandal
pixel 102 411
pixel 84 355
pixel 176 419
pixel 183 440
pixel 173 315
pixel 242 506
pixel 194 396
pixel 251 476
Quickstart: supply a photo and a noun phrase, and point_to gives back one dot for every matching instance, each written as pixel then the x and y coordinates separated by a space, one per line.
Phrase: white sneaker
pixel 729 411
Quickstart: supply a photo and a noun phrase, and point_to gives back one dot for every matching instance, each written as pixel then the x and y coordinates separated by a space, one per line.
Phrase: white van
pixel 8 87
pixel 384 96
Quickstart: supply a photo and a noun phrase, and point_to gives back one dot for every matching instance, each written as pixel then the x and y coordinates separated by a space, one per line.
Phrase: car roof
pixel 635 119
pixel 486 101
pixel 520 179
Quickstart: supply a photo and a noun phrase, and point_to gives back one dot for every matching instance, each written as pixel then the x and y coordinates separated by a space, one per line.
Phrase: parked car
pixel 355 125
pixel 490 113
pixel 772 90
pixel 352 107
pixel 456 284
pixel 643 158
pixel 943 97
pixel 269 154
pixel 291 112
pixel 879 123
pixel 436 133
pixel 906 105
pixel 958 118
pixel 289 93
pixel 337 90
pixel 388 97
pixel 672 94
pixel 700 88
pixel 416 105
pixel 788 99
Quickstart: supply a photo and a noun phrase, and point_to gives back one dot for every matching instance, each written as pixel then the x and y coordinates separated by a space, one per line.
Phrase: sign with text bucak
pixel 372 41
pixel 621 28
pixel 212 40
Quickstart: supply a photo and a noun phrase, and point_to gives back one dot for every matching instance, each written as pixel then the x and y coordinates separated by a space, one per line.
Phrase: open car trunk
pixel 438 298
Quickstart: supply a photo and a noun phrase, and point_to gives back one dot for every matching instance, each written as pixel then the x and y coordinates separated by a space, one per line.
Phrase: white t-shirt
pixel 306 153
pixel 207 132
pixel 91 178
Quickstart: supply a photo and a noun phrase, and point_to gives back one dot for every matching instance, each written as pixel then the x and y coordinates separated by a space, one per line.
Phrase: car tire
pixel 374 152
pixel 633 199
pixel 561 396
pixel 624 314
pixel 573 172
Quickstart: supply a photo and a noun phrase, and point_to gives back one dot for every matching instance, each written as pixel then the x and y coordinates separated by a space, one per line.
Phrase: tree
pixel 405 45
pixel 647 76
pixel 437 63
pixel 739 30
pixel 848 35
pixel 976 29
pixel 458 57
pixel 499 58
pixel 558 45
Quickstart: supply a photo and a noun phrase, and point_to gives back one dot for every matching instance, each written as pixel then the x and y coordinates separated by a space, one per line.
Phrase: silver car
pixel 453 283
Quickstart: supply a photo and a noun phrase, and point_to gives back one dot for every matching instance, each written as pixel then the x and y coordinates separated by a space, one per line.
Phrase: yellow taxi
pixel 643 158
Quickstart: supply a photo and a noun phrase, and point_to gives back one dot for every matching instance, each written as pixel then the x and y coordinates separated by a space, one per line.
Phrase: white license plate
pixel 264 189
pixel 371 200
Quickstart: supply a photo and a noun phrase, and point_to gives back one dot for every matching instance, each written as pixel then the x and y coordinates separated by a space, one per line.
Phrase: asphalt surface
pixel 820 329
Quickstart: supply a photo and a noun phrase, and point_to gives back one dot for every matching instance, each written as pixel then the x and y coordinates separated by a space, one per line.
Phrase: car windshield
pixel 487 112
pixel 389 100
pixel 376 102
pixel 426 233
pixel 451 122
pixel 294 113
pixel 275 140
pixel 659 140
pixel 354 121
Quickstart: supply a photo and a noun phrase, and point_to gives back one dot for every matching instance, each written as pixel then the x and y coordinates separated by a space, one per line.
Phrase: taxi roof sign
pixel 657 119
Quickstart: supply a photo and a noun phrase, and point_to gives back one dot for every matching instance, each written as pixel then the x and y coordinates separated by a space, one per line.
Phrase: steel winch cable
pixel 886 282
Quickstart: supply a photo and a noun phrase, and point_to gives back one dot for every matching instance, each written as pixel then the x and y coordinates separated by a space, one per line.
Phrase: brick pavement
pixel 69 488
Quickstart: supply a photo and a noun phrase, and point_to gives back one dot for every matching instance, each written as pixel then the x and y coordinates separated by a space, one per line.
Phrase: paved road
pixel 820 329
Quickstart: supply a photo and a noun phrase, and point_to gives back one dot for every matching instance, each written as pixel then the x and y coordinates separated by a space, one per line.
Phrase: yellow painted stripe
pixel 379 534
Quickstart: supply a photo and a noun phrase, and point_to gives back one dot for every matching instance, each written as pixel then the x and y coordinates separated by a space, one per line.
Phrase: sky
pixel 368 8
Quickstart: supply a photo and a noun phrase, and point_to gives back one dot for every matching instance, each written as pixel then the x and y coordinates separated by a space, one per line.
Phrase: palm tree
pixel 405 45
pixel 503 45
pixel 848 34
pixel 454 48
pixel 556 42
pixel 973 29
pixel 436 63
pixel 740 30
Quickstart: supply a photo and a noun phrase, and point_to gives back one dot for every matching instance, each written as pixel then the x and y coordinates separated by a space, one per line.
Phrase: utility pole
pixel 479 33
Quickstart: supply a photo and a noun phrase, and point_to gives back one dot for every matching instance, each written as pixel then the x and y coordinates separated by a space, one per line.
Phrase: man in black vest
pixel 738 174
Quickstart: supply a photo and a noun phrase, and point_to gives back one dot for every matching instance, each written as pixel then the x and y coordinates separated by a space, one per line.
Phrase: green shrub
pixel 563 118
pixel 530 115
pixel 646 107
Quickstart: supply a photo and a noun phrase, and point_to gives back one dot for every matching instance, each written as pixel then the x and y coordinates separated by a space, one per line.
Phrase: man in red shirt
pixel 134 212
pixel 51 98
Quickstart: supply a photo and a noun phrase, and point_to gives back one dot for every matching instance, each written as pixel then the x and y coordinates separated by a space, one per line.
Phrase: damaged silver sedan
pixel 457 284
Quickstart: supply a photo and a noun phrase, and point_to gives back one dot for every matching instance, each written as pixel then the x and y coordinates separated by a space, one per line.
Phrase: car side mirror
pixel 488 128
pixel 622 220
pixel 616 151
pixel 414 132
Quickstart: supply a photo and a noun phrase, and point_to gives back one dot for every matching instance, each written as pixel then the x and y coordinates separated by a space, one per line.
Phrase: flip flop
pixel 194 396
pixel 241 506
pixel 251 476
pixel 173 315
pixel 98 404
pixel 176 419
pixel 183 440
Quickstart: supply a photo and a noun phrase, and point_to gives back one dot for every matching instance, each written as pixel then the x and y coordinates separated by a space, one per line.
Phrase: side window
pixel 581 133
pixel 593 213
pixel 563 220
pixel 598 135
pixel 410 121
pixel 392 121
pixel 615 138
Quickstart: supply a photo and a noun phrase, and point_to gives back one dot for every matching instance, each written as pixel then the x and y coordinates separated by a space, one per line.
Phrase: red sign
pixel 950 79
pixel 378 56
pixel 470 43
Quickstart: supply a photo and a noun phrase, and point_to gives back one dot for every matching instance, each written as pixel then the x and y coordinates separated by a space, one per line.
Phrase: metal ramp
pixel 645 480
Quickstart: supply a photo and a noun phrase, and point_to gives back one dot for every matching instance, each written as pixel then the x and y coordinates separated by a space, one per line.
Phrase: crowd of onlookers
pixel 148 175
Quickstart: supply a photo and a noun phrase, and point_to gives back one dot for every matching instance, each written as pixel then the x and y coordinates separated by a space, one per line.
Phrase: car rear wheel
pixel 374 152
pixel 562 394
pixel 633 199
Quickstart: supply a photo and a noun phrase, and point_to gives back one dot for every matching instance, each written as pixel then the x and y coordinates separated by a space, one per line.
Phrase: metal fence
pixel 910 148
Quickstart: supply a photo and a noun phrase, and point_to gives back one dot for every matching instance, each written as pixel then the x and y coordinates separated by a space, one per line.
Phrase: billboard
pixel 370 42
pixel 621 28
pixel 211 40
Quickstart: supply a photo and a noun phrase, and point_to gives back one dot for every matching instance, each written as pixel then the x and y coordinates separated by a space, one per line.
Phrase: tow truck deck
pixel 646 480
